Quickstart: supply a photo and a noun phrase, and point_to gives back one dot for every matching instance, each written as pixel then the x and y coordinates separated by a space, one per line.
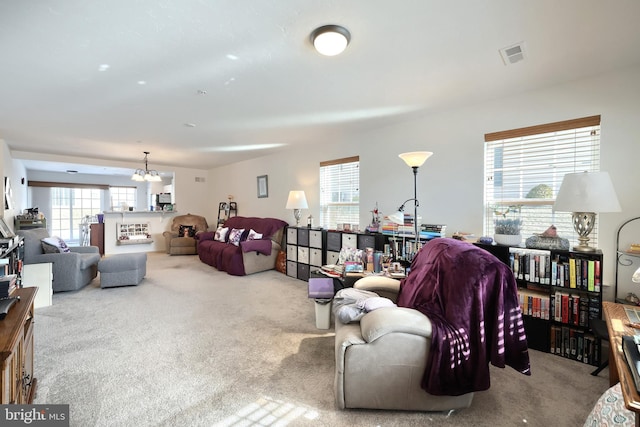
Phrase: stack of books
pixel 430 231
pixel 8 283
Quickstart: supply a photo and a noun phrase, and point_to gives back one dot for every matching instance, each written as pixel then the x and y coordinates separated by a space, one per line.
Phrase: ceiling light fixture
pixel 146 174
pixel 330 40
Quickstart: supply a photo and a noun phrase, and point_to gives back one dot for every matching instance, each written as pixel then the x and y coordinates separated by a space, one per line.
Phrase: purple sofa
pixel 250 256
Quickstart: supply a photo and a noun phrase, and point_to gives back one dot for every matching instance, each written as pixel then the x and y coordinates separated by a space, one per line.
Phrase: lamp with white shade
pixel 584 194
pixel 297 201
pixel 413 159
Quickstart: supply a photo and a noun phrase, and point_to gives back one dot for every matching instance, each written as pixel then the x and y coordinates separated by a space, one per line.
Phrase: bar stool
pixel 599 329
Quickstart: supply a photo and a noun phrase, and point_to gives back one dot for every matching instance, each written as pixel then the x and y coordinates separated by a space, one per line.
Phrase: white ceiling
pixel 266 88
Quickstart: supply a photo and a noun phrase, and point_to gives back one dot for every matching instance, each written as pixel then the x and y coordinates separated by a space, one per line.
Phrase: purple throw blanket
pixel 471 299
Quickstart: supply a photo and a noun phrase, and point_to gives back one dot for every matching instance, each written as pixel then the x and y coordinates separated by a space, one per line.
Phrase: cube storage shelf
pixel 310 248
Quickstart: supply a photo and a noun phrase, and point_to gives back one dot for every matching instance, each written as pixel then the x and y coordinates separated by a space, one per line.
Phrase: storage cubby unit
pixel 310 248
pixel 559 292
pixel 304 251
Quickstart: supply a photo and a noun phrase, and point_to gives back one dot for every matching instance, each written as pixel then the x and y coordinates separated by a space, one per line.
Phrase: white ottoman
pixel 122 269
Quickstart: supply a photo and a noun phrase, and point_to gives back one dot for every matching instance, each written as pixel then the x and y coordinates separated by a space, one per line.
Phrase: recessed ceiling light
pixel 103 67
pixel 232 57
pixel 190 125
pixel 330 40
pixel 142 82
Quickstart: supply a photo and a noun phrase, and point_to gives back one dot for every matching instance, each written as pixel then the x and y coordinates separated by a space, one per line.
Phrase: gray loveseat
pixel 71 270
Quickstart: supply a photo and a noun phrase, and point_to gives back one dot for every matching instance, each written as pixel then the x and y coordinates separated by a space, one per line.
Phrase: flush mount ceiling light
pixel 330 40
pixel 146 174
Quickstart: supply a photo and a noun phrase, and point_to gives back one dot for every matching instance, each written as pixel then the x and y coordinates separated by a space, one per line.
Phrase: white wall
pixel 450 183
pixel 17 178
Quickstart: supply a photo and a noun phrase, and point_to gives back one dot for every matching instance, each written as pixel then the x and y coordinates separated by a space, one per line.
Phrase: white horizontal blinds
pixel 340 192
pixel 525 167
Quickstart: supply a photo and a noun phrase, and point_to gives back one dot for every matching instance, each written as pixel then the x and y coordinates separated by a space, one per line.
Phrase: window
pixel 120 196
pixel 69 207
pixel 340 192
pixel 525 167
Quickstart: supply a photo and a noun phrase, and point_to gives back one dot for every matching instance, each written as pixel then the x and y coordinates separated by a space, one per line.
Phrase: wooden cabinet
pixel 97 236
pixel 17 384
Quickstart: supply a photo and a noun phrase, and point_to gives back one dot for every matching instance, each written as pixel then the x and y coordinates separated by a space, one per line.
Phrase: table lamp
pixel 297 201
pixel 583 194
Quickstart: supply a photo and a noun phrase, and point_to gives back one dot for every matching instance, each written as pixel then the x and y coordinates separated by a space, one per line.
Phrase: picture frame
pixel 5 231
pixel 263 186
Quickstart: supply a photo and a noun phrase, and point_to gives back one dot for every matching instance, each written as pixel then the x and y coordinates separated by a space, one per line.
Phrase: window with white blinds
pixel 340 192
pixel 525 167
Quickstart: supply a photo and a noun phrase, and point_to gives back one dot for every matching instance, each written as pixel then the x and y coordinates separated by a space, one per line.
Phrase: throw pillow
pixel 235 235
pixel 254 235
pixel 187 231
pixel 55 245
pixel 221 234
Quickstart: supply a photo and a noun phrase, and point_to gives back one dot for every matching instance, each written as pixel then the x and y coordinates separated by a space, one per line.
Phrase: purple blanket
pixel 471 299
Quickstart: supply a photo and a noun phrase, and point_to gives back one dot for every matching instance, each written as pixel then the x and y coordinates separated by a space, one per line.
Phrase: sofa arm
pixel 383 321
pixel 205 235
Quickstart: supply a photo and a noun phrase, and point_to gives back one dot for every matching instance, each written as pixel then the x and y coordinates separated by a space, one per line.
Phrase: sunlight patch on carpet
pixel 267 412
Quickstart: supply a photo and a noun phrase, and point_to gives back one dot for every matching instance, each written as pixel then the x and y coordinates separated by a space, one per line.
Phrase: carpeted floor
pixel 191 346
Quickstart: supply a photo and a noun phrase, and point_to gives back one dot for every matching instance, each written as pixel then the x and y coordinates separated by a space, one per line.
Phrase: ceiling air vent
pixel 512 54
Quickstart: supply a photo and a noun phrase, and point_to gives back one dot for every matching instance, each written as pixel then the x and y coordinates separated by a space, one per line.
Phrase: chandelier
pixel 146 174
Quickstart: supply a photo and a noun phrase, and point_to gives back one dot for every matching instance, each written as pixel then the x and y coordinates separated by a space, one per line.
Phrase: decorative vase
pixel 508 239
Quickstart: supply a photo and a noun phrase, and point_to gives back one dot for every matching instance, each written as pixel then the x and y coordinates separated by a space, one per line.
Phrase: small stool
pixel 122 269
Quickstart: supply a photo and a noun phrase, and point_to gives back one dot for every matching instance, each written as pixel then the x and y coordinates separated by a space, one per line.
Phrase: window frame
pixel 562 147
pixel 337 212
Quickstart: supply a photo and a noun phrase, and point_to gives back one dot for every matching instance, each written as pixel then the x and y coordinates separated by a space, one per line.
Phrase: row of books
pixel 575 344
pixel 560 307
pixel 537 266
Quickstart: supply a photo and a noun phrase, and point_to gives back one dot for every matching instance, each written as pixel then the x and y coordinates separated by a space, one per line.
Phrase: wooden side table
pixel 617 325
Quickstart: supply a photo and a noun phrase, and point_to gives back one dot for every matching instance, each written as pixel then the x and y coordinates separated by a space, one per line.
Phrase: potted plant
pixel 507 230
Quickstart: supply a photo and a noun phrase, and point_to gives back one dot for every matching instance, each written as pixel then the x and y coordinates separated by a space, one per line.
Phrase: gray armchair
pixel 72 270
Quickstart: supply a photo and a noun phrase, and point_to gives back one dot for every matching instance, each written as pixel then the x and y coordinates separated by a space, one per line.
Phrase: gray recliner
pixel 72 270
pixel 381 359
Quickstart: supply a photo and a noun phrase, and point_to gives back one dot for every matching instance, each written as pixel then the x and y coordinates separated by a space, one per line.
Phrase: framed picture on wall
pixel 263 186
pixel 5 231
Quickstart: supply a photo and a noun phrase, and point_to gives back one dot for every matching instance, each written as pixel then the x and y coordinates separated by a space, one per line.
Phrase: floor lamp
pixel 415 159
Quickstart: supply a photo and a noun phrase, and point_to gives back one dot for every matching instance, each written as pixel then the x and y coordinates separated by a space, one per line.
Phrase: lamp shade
pixel 587 192
pixel 415 159
pixel 297 200
pixel 636 276
pixel 397 217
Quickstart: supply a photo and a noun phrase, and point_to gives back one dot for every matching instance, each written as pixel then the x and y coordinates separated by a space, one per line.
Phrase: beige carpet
pixel 191 346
